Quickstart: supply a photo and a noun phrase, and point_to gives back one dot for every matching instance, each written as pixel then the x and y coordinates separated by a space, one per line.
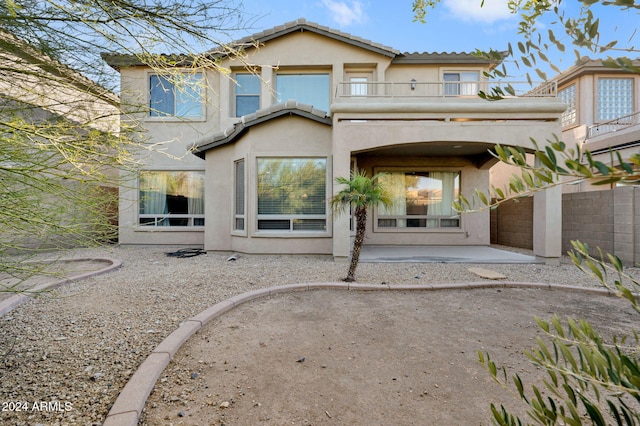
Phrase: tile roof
pixel 288 108
pixel 440 58
pixel 302 24
pixel 586 65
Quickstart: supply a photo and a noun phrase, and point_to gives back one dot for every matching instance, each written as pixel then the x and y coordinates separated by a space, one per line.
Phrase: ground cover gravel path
pixel 70 352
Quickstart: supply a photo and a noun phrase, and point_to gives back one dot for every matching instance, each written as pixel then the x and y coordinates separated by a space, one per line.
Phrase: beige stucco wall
pixel 167 143
pixel 283 137
pixel 299 52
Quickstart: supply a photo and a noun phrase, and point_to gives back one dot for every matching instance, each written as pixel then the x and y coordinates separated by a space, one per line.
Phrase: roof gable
pixel 301 25
pixel 290 108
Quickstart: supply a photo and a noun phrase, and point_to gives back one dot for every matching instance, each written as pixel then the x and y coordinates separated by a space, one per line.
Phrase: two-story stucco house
pixel 268 145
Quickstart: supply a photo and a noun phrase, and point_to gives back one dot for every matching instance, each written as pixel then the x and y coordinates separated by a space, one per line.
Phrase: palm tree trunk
pixel 361 225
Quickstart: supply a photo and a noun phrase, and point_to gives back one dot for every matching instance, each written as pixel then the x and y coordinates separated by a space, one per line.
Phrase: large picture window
pixel 420 200
pixel 247 94
pixel 615 98
pixel 178 96
pixel 173 198
pixel 568 96
pixel 292 194
pixel 312 89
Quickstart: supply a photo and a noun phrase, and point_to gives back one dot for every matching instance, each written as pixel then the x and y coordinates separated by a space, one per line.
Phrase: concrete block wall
pixel 625 219
pixel 512 223
pixel 588 217
pixel 608 219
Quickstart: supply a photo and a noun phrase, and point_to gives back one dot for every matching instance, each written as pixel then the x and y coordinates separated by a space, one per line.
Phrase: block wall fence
pixel 608 219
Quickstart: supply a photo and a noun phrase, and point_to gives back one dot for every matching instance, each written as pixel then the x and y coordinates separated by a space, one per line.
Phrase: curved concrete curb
pixel 16 300
pixel 128 406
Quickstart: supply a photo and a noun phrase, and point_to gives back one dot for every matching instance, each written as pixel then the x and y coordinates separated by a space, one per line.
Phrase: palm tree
pixel 360 192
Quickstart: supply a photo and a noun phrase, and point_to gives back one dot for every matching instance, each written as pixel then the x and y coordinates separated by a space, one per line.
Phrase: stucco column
pixel 341 168
pixel 547 224
pixel 266 90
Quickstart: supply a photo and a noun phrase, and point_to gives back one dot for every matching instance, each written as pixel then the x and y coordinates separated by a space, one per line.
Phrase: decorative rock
pixel 486 273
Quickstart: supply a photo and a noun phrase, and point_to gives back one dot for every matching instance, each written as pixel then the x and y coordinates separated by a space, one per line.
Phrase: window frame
pixel 239 198
pixel 461 85
pixel 289 73
pixel 419 229
pixel 151 116
pixel 292 218
pixel 596 111
pixel 565 123
pixel 358 86
pixel 159 218
pixel 236 84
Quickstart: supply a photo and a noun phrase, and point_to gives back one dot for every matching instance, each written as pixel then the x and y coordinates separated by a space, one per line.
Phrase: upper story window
pixel 176 96
pixel 615 98
pixel 247 94
pixel 568 96
pixel 312 89
pixel 359 86
pixel 456 83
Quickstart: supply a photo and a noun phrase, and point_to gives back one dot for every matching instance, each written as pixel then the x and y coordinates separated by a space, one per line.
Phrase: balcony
pixel 614 125
pixel 442 89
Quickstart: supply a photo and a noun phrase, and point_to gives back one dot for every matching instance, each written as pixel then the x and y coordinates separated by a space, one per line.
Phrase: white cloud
pixel 471 10
pixel 345 12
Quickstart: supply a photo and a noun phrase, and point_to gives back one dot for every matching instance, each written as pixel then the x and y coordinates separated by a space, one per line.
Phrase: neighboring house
pixel 49 89
pixel 43 106
pixel 603 113
pixel 603 117
pixel 268 146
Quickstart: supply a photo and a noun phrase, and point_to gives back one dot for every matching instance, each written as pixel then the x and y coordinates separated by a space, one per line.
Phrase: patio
pixel 442 254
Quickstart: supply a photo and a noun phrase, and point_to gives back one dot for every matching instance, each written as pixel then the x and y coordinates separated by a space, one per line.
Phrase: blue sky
pixel 454 26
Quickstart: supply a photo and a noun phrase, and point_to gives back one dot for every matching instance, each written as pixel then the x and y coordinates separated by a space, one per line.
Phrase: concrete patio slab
pixel 442 254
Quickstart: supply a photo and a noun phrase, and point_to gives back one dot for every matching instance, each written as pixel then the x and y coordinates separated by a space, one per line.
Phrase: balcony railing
pixel 613 125
pixel 443 89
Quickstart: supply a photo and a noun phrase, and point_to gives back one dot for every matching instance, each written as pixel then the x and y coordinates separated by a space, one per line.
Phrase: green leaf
pixel 541 74
pixel 482 197
pixel 543 56
pixel 594 413
pixel 602 168
pixel 548 160
pixel 593 29
pixel 528 179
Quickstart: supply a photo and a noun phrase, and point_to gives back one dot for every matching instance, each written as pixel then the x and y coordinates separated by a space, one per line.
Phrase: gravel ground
pixel 70 352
